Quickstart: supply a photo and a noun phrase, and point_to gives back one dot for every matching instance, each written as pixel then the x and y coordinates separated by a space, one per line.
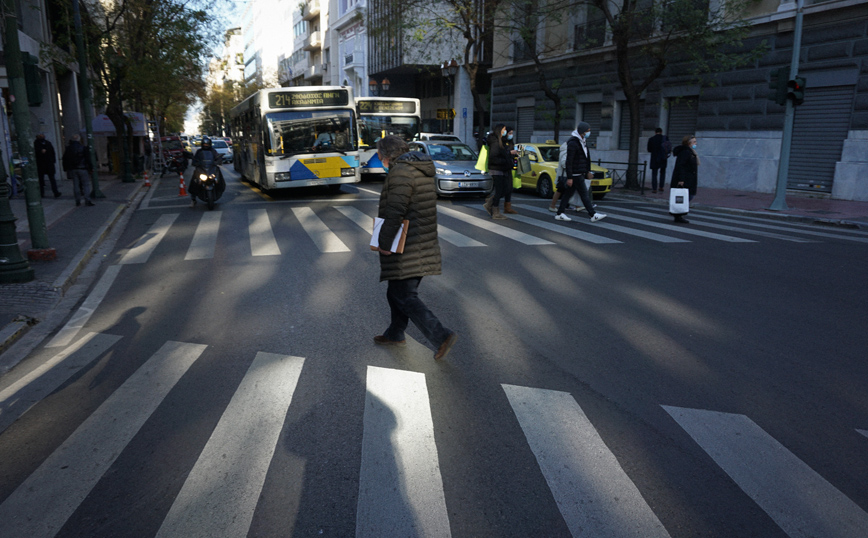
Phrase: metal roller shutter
pixel 591 116
pixel 524 124
pixel 682 119
pixel 819 129
pixel 624 124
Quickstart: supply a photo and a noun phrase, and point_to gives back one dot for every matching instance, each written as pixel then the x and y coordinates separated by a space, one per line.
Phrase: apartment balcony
pixel 354 59
pixel 313 73
pixel 313 42
pixel 310 10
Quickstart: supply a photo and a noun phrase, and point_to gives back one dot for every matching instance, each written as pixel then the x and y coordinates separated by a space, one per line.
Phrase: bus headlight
pixel 281 176
pixel 346 172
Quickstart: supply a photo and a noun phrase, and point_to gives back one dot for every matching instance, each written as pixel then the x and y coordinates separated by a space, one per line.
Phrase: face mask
pixel 587 135
pixel 509 137
pixel 502 134
pixel 385 168
pixel 693 146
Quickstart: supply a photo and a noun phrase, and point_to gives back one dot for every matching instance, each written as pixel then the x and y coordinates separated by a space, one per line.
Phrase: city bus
pixel 381 116
pixel 297 137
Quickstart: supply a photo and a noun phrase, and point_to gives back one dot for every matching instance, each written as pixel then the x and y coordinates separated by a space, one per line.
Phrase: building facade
pixel 738 127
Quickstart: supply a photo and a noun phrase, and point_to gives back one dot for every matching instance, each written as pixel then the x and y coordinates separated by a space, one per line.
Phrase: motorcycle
pixel 175 163
pixel 207 184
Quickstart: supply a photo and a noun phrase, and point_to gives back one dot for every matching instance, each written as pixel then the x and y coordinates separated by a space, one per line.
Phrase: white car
pixel 223 149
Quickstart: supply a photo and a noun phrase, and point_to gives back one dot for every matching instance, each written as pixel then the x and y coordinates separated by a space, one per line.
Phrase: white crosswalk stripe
pixel 799 500
pixel 262 241
pixel 487 225
pixel 401 489
pixel 322 237
pixel 367 224
pixel 221 492
pixel 205 239
pixel 144 247
pixel 556 227
pixel 41 505
pixel 700 222
pixel 593 493
pixel 681 229
pixel 86 310
pixel 615 228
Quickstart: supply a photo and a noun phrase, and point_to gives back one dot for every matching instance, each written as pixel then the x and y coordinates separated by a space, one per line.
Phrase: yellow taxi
pixel 543 170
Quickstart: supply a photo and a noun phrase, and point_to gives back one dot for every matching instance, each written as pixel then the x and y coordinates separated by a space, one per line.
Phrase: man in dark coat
pixel 576 170
pixel 77 165
pixel 659 147
pixel 45 159
pixel 409 194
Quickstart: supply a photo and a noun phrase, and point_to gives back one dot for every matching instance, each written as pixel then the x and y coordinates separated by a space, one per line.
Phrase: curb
pixel 18 328
pixel 844 223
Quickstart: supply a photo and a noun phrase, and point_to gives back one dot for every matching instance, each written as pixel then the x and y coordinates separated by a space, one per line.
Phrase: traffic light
pixel 778 86
pixel 796 90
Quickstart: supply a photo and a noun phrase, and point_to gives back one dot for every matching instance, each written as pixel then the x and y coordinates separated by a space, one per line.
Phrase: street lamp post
pixel 449 69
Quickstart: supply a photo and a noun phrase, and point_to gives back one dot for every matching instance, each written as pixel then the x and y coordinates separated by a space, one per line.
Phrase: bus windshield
pixel 309 131
pixel 374 128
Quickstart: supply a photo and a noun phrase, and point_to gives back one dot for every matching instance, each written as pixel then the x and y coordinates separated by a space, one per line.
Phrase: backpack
pixel 562 160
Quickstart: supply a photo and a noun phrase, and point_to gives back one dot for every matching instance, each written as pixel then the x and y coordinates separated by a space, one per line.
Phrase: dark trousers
pixel 42 183
pixel 499 187
pixel 654 171
pixel 406 306
pixel 578 185
pixel 508 188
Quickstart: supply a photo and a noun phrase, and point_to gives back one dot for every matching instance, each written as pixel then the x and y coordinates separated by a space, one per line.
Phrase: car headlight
pixel 347 172
pixel 444 172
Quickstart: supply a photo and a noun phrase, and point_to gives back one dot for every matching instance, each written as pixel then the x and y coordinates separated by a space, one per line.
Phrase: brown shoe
pixel 489 202
pixel 444 348
pixel 383 341
pixel 507 208
pixel 496 214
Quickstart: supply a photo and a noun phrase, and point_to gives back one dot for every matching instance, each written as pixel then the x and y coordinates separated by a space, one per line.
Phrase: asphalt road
pixel 624 378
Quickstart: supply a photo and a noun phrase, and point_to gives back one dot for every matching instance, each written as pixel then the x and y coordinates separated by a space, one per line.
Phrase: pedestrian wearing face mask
pixel 500 168
pixel 509 144
pixel 576 170
pixel 686 171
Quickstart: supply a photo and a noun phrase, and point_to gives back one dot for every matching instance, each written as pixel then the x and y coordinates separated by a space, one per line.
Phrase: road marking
pixel 40 506
pixel 325 239
pixel 682 229
pixel 262 241
pixel 553 226
pixel 863 432
pixel 220 494
pixel 141 251
pixel 362 220
pixel 400 488
pixel 19 397
pixel 798 499
pixel 367 223
pixel 594 494
pixel 509 233
pixel 205 239
pixel 620 229
pixel 86 310
pixel 724 227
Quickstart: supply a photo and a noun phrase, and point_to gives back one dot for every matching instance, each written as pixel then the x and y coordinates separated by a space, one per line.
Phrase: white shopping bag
pixel 576 200
pixel 679 201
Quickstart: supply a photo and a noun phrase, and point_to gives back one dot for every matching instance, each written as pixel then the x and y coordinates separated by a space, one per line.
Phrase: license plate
pixel 468 184
pixel 313 182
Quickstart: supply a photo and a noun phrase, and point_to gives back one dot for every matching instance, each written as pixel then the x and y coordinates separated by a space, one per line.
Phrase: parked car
pixel 223 149
pixel 455 164
pixel 439 137
pixel 543 171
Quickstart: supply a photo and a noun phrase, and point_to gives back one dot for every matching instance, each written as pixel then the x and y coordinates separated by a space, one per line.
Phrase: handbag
pixel 576 199
pixel 482 161
pixel 516 180
pixel 523 165
pixel 679 201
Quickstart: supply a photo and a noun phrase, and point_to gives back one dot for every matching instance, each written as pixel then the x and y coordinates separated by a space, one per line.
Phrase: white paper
pixel 375 236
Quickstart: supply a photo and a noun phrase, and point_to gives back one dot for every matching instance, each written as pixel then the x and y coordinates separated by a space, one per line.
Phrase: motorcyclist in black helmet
pixel 206 158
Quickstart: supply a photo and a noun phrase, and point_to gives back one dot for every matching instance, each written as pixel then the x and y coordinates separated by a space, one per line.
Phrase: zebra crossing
pixel 468 226
pixel 401 487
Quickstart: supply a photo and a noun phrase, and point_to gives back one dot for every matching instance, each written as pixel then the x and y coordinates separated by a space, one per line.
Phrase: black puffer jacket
pixel 408 193
pixel 498 156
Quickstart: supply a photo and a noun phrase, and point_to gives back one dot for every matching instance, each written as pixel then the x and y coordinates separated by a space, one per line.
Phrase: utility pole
pixel 13 267
pixel 84 90
pixel 21 117
pixel 780 201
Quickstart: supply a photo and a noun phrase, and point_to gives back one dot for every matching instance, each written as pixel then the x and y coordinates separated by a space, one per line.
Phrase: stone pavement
pixel 75 233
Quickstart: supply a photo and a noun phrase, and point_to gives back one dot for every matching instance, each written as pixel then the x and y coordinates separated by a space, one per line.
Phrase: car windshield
pixel 550 153
pixel 173 145
pixel 219 144
pixel 310 131
pixel 451 152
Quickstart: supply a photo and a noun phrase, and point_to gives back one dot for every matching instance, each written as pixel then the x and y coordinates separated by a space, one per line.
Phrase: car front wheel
pixel 544 187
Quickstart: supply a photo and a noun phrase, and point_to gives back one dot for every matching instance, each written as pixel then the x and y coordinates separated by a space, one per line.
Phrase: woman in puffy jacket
pixel 500 168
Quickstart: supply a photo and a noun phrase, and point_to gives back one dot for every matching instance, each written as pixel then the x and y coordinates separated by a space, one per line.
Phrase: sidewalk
pixel 75 233
pixel 801 207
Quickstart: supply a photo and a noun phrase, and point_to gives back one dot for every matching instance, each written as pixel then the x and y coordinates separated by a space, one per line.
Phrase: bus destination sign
pixel 395 107
pixel 311 98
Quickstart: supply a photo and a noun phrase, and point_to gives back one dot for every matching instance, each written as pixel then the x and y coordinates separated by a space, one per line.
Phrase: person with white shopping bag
pixel 682 189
